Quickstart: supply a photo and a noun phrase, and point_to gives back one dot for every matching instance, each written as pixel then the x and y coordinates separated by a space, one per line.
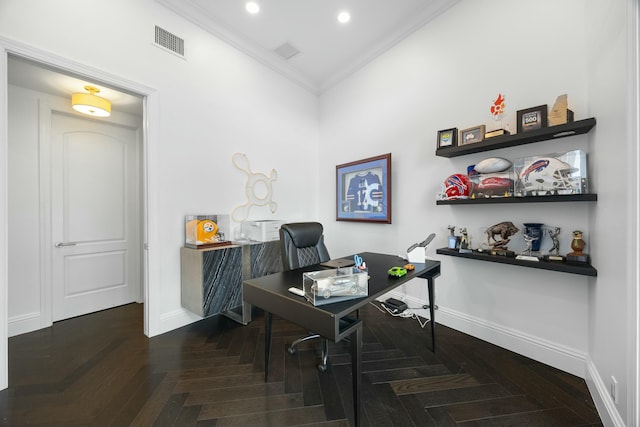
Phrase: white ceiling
pixel 329 50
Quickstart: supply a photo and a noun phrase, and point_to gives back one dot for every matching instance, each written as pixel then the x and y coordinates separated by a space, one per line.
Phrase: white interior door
pixel 95 216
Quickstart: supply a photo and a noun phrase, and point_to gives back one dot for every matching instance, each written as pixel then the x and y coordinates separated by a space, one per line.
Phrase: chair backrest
pixel 302 244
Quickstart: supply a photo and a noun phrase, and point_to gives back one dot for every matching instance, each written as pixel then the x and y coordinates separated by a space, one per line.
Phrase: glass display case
pixel 334 285
pixel 552 174
pixel 201 231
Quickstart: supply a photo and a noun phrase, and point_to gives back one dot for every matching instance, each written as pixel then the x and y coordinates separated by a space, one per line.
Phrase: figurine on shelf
pixel 465 244
pixel 554 252
pixel 553 233
pixel 577 244
pixel 529 239
pixel 505 230
pixel 454 241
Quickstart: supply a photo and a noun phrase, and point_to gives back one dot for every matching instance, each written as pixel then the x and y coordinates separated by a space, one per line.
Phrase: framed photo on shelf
pixel 532 118
pixel 363 190
pixel 447 138
pixel 471 135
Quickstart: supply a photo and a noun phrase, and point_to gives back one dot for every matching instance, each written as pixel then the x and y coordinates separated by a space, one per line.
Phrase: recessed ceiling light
pixel 252 7
pixel 344 17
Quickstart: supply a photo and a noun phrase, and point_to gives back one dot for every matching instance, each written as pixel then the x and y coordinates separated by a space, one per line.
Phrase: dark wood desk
pixel 332 321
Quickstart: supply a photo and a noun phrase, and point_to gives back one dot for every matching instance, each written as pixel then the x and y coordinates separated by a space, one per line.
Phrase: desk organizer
pixel 329 286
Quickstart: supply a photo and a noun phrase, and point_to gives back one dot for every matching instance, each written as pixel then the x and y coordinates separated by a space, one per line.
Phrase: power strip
pixel 395 306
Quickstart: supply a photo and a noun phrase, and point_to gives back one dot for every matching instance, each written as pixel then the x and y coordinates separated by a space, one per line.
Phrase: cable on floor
pixel 408 313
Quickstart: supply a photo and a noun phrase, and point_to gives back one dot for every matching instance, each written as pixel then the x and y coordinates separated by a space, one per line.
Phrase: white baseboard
pixel 551 353
pixel 23 324
pixel 173 320
pixel 600 394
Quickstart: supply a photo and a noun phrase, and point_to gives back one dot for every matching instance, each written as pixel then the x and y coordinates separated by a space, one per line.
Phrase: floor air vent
pixel 169 41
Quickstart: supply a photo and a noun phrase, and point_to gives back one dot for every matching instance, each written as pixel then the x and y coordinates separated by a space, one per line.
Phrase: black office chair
pixel 302 244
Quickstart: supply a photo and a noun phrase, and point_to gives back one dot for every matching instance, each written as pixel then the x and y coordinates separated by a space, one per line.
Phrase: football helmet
pixel 456 186
pixel 201 231
pixel 548 175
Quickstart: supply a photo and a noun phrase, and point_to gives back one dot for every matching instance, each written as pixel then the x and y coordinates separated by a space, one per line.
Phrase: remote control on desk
pixel 296 291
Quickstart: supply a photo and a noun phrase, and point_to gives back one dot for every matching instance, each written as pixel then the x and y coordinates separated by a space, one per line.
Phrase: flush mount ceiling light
pixel 252 7
pixel 90 103
pixel 344 17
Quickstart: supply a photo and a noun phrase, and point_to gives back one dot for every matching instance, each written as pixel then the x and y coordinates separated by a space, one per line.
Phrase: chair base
pixel 322 367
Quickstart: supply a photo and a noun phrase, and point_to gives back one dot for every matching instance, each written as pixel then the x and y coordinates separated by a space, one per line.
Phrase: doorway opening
pixel 65 169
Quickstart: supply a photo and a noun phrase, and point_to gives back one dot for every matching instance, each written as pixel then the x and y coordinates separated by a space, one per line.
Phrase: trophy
pixel 497 112
pixel 465 243
pixel 529 238
pixel 454 241
pixel 554 252
pixel 559 113
pixel 577 244
pixel 505 230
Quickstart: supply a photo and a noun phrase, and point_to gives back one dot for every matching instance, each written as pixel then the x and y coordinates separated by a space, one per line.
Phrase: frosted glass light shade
pixel 88 103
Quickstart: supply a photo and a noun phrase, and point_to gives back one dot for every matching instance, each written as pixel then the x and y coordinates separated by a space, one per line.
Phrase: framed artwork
pixel 532 118
pixel 363 190
pixel 472 135
pixel 447 138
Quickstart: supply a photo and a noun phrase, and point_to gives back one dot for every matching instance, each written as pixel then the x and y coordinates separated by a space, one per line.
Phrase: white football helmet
pixel 548 175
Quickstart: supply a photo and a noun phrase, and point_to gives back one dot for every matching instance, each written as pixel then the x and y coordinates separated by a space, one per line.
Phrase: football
pixel 492 165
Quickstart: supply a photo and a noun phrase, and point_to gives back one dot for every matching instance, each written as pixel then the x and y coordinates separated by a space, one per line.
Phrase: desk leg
pixel 267 343
pixel 432 313
pixel 356 368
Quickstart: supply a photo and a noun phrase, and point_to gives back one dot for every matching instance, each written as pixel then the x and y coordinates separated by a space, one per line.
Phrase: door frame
pixel 150 122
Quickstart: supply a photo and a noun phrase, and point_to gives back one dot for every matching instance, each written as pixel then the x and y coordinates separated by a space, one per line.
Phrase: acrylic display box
pixel 334 285
pixel 552 174
pixel 203 231
pixel 492 185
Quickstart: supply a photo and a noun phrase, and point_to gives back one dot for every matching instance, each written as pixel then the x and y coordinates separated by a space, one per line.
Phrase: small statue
pixel 528 239
pixel 453 239
pixel 464 241
pixel 577 244
pixel 505 230
pixel 553 233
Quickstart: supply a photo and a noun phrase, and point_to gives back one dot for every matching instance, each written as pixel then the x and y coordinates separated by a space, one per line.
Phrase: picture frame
pixel 447 138
pixel 532 118
pixel 363 190
pixel 472 135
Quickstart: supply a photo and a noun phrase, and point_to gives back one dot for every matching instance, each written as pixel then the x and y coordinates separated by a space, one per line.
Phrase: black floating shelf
pixel 553 132
pixel 527 199
pixel 582 269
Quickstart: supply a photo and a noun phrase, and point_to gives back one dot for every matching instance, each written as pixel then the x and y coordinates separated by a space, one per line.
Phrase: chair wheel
pixel 322 368
pixel 292 351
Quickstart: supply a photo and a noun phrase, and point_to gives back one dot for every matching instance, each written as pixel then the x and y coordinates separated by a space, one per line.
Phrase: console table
pixel 211 278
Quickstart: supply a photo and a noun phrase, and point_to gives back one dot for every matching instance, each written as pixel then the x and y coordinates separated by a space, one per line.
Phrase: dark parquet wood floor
pixel 100 370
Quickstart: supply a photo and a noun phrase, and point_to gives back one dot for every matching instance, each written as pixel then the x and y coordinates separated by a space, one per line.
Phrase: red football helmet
pixel 456 186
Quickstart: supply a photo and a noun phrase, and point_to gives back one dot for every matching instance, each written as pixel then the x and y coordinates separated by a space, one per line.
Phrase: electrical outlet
pixel 614 389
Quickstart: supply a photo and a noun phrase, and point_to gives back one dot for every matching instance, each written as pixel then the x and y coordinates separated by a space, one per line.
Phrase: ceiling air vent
pixel 286 51
pixel 169 41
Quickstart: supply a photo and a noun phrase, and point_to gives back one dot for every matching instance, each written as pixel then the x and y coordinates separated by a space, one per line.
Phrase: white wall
pixel 443 77
pixel 24 214
pixel 447 74
pixel 614 145
pixel 209 106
